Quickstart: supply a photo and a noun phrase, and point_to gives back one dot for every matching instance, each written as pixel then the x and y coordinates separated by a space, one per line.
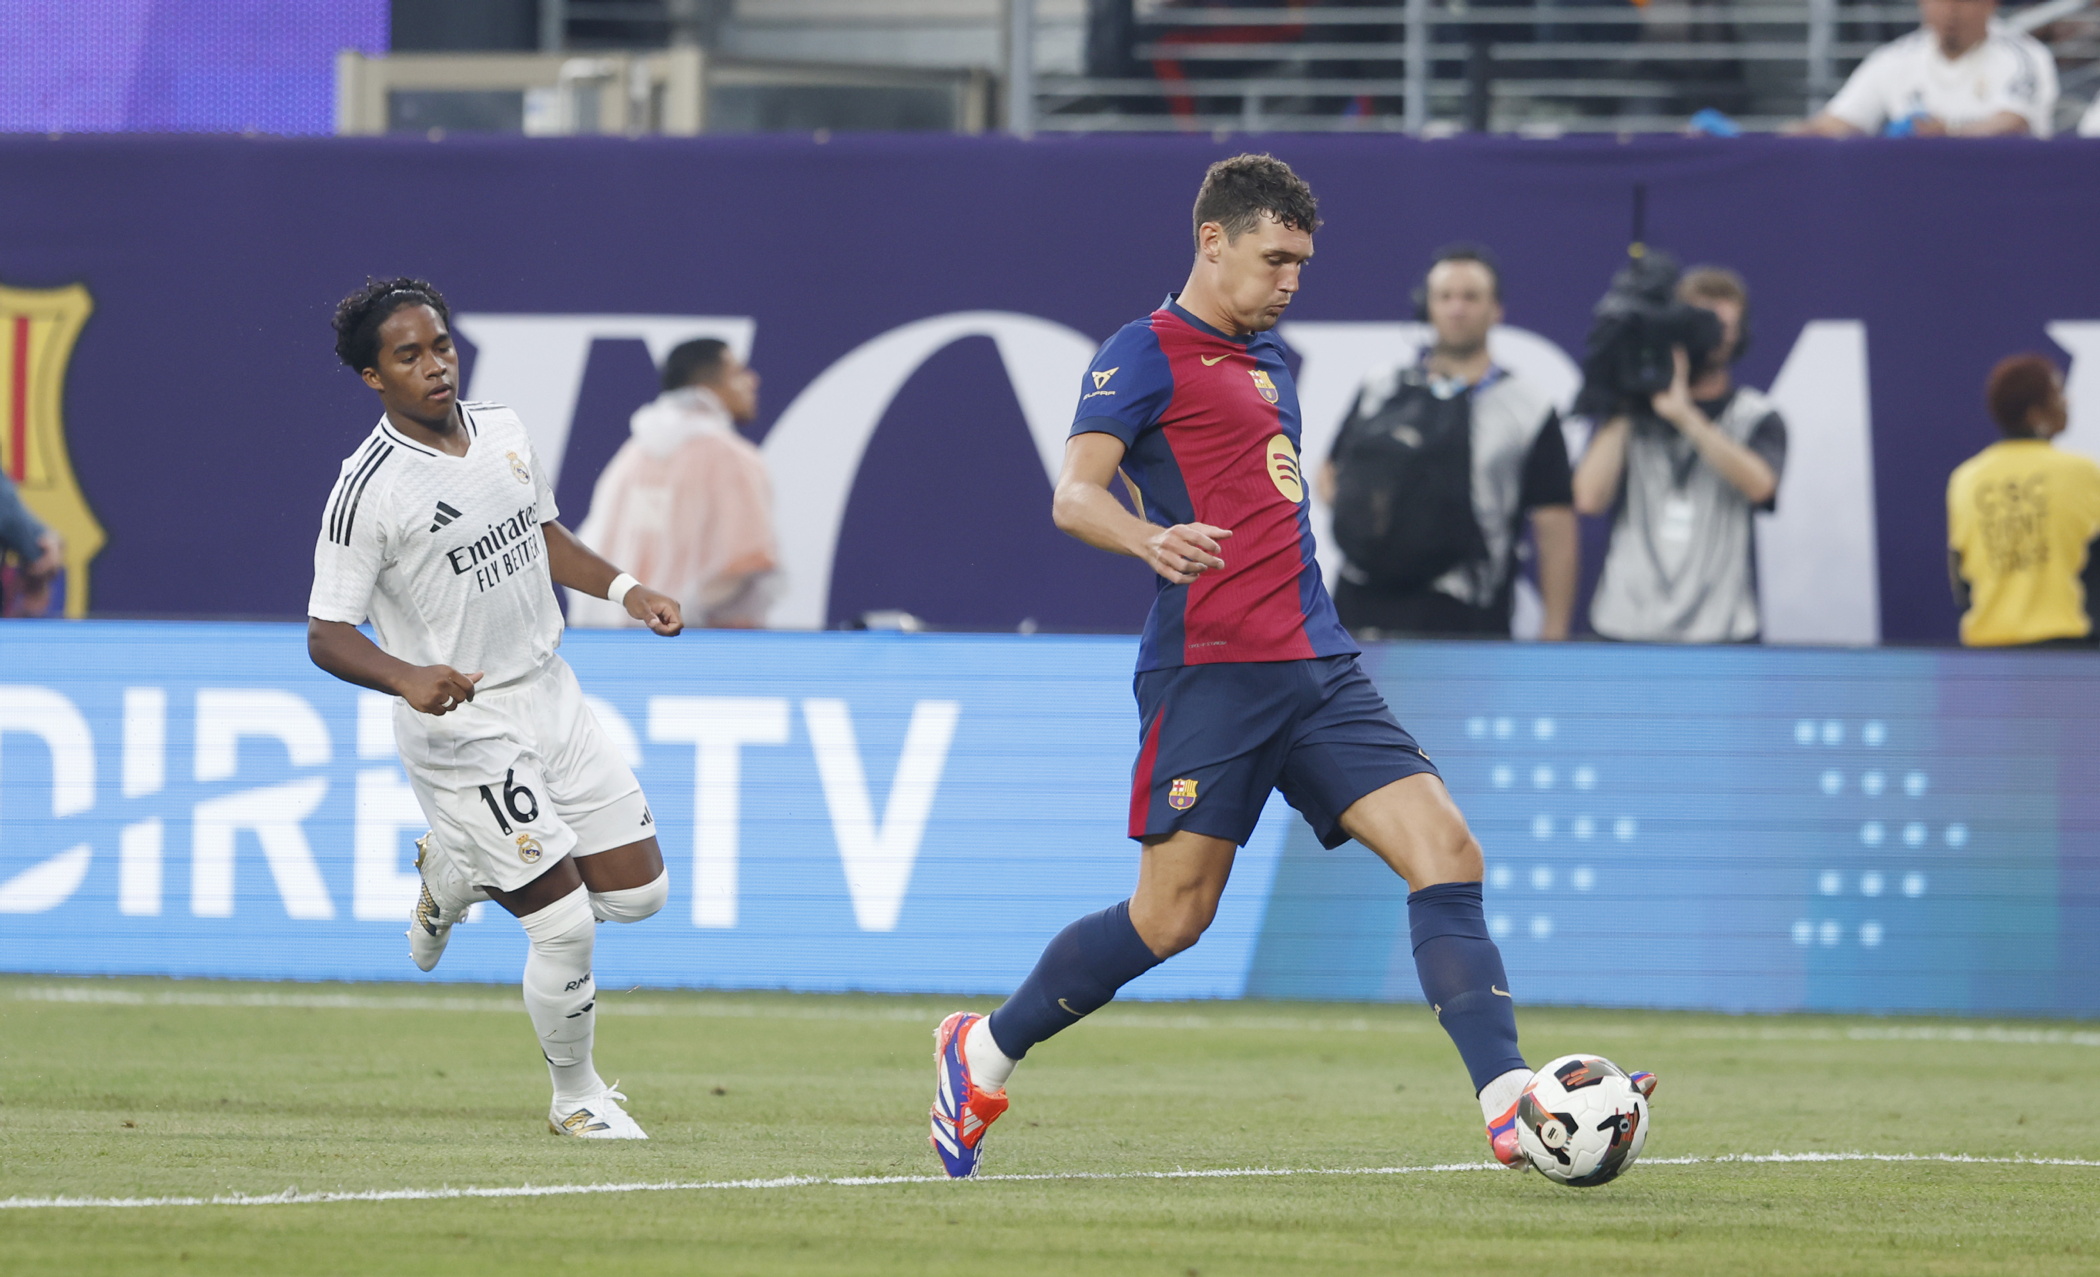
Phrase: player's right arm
pixel 343 650
pixel 1086 509
pixel 348 557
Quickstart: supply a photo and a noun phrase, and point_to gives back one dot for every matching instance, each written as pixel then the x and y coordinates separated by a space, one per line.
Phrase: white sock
pixel 989 1067
pixel 632 904
pixel 1498 1095
pixel 559 994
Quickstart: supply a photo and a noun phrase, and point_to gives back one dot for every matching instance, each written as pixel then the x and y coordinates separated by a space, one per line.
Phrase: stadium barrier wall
pixel 921 308
pixel 1738 828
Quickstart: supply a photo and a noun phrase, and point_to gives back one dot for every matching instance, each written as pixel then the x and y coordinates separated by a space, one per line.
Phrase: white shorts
pixel 519 777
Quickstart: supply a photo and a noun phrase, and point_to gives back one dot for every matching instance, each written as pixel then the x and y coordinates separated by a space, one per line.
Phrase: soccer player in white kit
pixel 441 531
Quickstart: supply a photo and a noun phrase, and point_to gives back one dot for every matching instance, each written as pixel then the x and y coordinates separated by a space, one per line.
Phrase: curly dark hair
pixel 358 316
pixel 2019 385
pixel 1236 192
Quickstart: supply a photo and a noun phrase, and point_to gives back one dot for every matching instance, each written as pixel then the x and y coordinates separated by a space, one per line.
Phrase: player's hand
pixel 660 612
pixel 1185 551
pixel 438 689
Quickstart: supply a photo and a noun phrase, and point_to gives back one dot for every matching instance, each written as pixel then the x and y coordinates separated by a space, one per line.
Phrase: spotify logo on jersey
pixel 1282 461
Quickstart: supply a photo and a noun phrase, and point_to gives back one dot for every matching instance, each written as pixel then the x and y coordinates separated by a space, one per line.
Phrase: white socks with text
pixel 559 994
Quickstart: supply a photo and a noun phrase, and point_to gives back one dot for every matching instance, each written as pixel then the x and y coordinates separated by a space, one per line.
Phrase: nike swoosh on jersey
pixel 1500 993
pixel 1212 363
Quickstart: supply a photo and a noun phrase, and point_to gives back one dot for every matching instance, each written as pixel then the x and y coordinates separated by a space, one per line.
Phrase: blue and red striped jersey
pixel 1211 425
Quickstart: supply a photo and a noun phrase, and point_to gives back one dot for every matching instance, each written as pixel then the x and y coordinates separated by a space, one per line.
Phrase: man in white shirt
pixel 687 502
pixel 441 532
pixel 1962 73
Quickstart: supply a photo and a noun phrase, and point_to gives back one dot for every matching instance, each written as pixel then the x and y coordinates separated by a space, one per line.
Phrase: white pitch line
pixel 293 1197
pixel 1119 1017
pixel 615 1004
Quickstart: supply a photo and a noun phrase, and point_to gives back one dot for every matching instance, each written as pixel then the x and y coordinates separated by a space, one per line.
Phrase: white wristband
pixel 617 591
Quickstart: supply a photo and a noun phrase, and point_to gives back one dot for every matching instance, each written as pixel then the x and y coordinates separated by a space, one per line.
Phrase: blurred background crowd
pixel 1466 496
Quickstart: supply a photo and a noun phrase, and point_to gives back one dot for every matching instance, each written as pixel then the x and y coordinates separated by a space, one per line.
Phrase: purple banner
pixel 916 306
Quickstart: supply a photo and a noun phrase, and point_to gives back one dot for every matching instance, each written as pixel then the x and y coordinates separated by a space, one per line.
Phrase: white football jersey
pixel 444 554
pixel 2007 71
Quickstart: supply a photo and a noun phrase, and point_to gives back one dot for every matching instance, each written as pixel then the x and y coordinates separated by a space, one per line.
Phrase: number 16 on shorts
pixel 521 805
pixel 504 831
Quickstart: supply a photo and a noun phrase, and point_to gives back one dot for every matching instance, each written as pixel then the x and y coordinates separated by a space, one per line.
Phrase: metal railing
pixel 1530 68
pixel 678 90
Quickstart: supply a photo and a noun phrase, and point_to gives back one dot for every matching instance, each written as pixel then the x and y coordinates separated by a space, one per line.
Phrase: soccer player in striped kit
pixel 1246 681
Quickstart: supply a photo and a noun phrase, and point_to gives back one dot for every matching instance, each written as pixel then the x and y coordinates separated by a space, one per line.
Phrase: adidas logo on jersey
pixel 445 514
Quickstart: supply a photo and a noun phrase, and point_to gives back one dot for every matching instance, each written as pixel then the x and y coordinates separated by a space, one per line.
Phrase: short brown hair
pixel 2019 385
pixel 1236 192
pixel 1714 284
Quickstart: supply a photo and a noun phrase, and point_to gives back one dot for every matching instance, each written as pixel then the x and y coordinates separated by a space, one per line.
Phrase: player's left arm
pixel 577 566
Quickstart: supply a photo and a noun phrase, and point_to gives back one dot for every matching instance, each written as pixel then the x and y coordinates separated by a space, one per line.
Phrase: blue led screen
pixel 1735 828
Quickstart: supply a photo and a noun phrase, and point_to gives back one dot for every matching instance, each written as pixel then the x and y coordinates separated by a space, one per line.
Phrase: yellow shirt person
pixel 2022 518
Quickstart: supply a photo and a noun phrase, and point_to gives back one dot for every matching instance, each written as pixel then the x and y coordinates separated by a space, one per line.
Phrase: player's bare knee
pixel 1185 926
pixel 1471 863
pixel 632 904
pixel 1453 854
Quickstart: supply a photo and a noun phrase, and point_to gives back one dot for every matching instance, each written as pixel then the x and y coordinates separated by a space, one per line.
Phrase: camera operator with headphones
pixel 1703 457
pixel 1436 468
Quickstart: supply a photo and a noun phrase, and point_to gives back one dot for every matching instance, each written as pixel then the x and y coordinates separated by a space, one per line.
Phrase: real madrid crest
pixel 522 475
pixel 1181 795
pixel 528 849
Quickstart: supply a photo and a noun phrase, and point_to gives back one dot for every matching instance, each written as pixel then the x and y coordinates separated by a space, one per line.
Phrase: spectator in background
pixel 2023 518
pixel 37 552
pixel 1682 483
pixel 1962 73
pixel 1436 468
pixel 686 502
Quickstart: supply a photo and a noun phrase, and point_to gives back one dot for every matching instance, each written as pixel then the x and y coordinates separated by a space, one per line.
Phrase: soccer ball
pixel 1581 1122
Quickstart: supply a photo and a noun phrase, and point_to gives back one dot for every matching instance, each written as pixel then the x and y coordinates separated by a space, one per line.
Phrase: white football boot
pixel 429 921
pixel 597 1118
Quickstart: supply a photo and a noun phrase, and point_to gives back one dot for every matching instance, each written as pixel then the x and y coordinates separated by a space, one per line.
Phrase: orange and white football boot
pixel 961 1112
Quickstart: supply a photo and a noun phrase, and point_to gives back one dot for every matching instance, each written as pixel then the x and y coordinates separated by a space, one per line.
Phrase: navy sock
pixel 1078 974
pixel 1461 973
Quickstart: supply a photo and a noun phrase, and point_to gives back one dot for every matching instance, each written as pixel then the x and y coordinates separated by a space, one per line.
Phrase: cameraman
pixel 1436 468
pixel 1694 470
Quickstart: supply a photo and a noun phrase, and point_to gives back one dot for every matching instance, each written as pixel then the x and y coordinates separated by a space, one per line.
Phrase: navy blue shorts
pixel 1215 739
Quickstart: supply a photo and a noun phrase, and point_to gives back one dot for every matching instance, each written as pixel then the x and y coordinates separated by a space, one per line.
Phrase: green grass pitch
pixel 128 1089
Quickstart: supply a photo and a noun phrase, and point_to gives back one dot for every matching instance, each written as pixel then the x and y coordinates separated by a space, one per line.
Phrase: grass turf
pixel 145 1088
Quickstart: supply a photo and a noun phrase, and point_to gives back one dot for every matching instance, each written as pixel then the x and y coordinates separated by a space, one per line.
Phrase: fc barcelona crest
pixel 37 331
pixel 1264 385
pixel 1181 795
